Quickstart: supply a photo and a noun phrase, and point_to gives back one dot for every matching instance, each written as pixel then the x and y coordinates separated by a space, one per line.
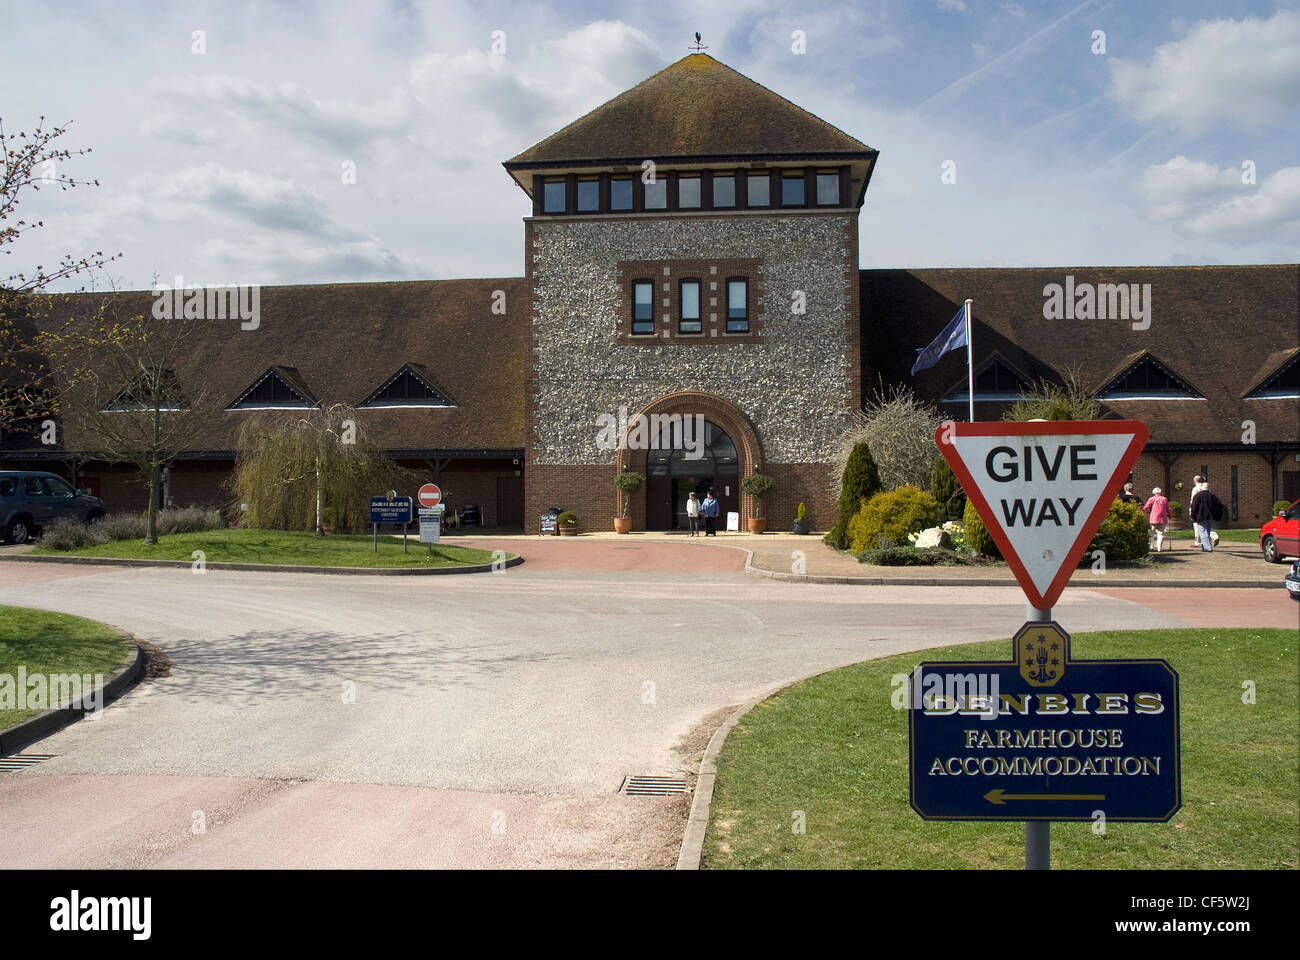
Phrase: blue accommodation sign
pixel 384 510
pixel 1043 736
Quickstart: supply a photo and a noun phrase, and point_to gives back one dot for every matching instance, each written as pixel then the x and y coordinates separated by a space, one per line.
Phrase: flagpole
pixel 970 365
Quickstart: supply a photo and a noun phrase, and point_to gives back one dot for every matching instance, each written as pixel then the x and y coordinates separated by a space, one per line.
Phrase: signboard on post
pixel 1042 488
pixel 1044 736
pixel 431 524
pixel 429 495
pixel 390 510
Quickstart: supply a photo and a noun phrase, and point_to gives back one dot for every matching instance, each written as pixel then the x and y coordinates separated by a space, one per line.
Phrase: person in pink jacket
pixel 1157 510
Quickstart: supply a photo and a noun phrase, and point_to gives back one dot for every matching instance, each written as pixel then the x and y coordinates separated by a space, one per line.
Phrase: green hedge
pixel 892 516
pixel 1123 534
pixel 978 539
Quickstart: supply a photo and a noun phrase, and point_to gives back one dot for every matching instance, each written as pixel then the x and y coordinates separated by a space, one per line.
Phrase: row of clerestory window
pixel 693 190
pixel 689 311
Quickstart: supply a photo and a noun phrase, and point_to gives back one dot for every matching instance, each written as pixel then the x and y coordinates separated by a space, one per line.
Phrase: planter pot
pixel 568 529
pixel 622 524
pixel 801 527
pixel 757 524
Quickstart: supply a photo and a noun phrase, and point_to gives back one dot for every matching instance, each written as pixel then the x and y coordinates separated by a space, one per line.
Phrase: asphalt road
pixel 481 720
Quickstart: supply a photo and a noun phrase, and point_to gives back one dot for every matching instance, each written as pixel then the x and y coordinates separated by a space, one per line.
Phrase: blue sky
pixel 225 166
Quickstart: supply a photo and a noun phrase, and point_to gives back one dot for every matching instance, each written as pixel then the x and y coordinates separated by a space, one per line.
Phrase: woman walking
pixel 1157 510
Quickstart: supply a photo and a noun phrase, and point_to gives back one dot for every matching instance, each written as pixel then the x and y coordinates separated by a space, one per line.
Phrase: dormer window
pixel 553 196
pixel 1147 378
pixel 760 190
pixel 1282 383
pixel 278 389
pixel 656 194
pixel 996 381
pixel 408 387
pixel 152 390
pixel 792 190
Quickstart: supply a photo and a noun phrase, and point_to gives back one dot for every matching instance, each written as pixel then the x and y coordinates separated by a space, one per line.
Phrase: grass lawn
pixel 52 643
pixel 276 546
pixel 834 748
pixel 1228 536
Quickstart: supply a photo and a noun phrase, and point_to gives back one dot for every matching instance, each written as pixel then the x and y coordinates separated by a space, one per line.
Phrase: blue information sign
pixel 1044 737
pixel 384 510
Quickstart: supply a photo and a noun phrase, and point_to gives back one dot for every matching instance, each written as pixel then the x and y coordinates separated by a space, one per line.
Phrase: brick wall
pixel 1254 481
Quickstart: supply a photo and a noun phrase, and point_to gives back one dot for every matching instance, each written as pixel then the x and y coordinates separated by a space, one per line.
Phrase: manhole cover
pixel 20 760
pixel 653 786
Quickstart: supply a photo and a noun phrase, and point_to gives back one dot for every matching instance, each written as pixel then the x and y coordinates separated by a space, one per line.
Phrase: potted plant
pixel 801 524
pixel 567 523
pixel 758 487
pixel 628 483
pixel 1175 515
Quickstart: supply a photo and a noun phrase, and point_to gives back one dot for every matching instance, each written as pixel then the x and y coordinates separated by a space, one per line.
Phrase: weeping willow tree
pixel 300 469
pixel 1045 400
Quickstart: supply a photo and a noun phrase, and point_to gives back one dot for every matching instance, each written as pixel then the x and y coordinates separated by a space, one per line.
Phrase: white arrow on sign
pixel 1042 488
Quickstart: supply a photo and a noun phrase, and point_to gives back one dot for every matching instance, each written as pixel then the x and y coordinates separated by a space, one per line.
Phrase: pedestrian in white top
pixel 693 514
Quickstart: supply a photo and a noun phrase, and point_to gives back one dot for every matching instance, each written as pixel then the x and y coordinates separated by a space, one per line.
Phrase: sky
pixel 302 142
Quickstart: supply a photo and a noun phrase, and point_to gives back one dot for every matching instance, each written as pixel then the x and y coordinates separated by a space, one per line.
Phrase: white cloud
pixel 980 50
pixel 952 5
pixel 1243 72
pixel 1202 200
pixel 1014 9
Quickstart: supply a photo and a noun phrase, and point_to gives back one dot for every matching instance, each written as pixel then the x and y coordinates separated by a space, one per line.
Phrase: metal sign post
pixel 1038 833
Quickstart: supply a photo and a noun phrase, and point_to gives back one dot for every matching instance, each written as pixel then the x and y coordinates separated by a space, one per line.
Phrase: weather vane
pixel 698 45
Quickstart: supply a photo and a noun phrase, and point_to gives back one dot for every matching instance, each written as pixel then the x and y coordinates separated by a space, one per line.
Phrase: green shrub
pixel 802 513
pixel 947 491
pixel 912 557
pixel 1122 535
pixel 1175 510
pixel 1279 506
pixel 188 520
pixel 887 518
pixel 567 517
pixel 124 526
pixel 68 533
pixel 628 482
pixel 759 488
pixel 977 535
pixel 861 481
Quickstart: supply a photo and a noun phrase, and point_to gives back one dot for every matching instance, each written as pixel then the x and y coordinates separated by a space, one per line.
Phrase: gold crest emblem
pixel 1042 653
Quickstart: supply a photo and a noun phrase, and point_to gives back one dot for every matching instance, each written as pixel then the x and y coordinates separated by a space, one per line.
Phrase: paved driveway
pixel 442 721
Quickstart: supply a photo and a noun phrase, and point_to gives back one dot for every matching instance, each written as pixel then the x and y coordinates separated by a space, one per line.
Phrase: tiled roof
pixel 1220 328
pixel 697 107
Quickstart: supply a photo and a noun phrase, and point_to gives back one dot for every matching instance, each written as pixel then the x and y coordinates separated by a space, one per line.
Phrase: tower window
pixel 620 193
pixel 737 305
pixel 656 194
pixel 792 190
pixel 688 193
pixel 760 190
pixel 690 307
pixel 724 190
pixel 643 307
pixel 553 198
pixel 828 189
pixel 588 195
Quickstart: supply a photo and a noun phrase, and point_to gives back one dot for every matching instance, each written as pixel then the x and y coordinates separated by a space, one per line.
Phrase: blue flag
pixel 952 337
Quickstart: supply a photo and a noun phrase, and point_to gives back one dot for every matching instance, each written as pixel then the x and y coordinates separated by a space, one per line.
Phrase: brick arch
pixel 724 413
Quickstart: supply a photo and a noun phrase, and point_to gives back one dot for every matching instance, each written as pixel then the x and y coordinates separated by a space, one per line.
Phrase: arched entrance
pixel 682 463
pixel 727 433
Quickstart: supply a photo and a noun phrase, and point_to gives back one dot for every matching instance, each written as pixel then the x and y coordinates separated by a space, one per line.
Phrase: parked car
pixel 1280 537
pixel 1292 581
pixel 29 500
pixel 471 515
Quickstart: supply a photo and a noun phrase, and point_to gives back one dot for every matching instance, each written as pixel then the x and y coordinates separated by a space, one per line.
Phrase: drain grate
pixel 20 760
pixel 653 786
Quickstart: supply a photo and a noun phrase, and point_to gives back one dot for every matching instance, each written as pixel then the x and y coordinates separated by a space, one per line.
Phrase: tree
pixel 759 488
pixel 292 468
pixel 120 394
pixel 628 482
pixel 899 428
pixel 947 491
pixel 29 161
pixel 860 481
pixel 1046 400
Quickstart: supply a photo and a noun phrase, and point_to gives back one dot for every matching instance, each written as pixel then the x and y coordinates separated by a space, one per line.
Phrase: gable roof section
pixel 1001 369
pixel 408 387
pixel 1132 376
pixel 696 107
pixel 281 380
pixel 1276 377
pixel 1214 324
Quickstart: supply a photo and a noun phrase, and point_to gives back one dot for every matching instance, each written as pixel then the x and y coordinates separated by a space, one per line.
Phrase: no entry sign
pixel 1042 489
pixel 430 495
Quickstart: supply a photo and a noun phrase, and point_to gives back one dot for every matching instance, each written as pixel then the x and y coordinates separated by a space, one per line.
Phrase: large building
pixel 692 257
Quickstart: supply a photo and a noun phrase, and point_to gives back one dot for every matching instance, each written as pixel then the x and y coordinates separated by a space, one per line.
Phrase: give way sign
pixel 1042 488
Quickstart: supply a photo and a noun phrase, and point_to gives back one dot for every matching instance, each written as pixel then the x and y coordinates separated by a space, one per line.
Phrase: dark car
pixel 1280 537
pixel 30 500
pixel 1292 581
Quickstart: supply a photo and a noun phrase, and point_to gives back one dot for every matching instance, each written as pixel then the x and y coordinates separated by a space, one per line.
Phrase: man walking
pixel 1198 484
pixel 1206 509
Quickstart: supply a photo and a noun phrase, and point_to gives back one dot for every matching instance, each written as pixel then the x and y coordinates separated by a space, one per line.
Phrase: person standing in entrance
pixel 693 514
pixel 709 511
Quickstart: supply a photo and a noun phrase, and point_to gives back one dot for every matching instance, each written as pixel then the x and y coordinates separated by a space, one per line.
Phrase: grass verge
pixel 47 644
pixel 283 547
pixel 833 748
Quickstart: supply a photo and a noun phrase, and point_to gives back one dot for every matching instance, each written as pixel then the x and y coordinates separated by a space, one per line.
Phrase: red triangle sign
pixel 1042 488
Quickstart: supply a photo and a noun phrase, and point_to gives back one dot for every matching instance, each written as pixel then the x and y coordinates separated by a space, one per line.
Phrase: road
pixel 488 720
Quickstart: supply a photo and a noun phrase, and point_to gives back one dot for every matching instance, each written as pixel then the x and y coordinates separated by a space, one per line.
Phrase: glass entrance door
pixel 675 467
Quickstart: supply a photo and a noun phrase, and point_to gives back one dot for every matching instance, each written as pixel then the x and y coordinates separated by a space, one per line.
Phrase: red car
pixel 1280 537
